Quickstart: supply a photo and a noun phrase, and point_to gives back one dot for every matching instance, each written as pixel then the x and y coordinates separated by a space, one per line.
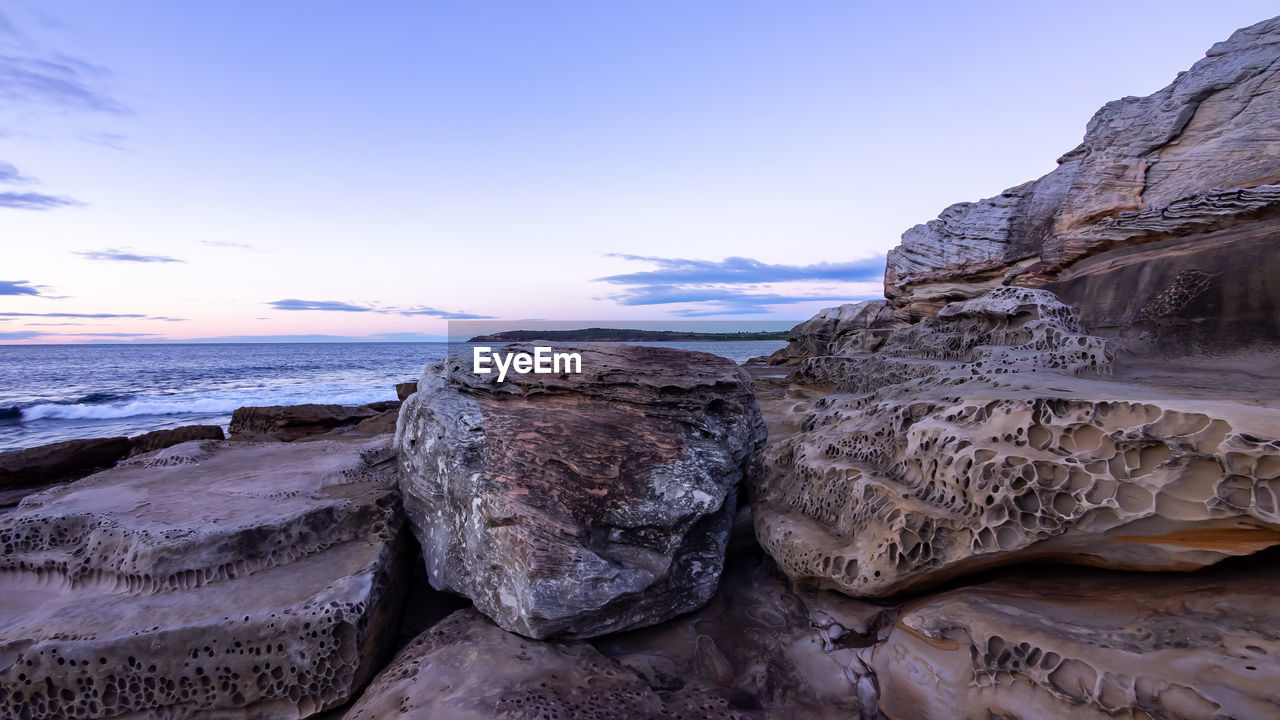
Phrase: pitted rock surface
pixel 579 504
pixel 1089 644
pixel 466 668
pixel 208 579
pixel 1159 227
pixel 972 440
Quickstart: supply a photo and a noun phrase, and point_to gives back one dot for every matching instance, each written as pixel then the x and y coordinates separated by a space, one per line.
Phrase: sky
pixel 176 171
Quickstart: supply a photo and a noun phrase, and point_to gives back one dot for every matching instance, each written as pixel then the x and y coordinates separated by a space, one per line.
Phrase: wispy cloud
pixel 21 334
pixel 95 316
pixel 35 201
pixel 737 285
pixel 10 175
pixel 126 255
pixel 57 80
pixel 339 306
pixel 442 314
pixel 227 244
pixel 18 287
pixel 740 270
pixel 327 305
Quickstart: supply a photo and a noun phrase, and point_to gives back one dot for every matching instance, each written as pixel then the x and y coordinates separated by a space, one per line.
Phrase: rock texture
pixel 971 440
pixel 1159 227
pixel 60 461
pixel 579 504
pixel 160 439
pixel 1089 645
pixel 206 580
pixel 293 422
pixel 467 668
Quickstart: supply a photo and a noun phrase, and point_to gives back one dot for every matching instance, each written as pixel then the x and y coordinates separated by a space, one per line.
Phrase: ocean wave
pixel 192 405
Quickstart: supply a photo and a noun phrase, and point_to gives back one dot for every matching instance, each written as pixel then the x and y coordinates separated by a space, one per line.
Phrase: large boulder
pixel 160 439
pixel 466 668
pixel 1090 645
pixel 579 504
pixel 987 436
pixel 206 580
pixel 1159 227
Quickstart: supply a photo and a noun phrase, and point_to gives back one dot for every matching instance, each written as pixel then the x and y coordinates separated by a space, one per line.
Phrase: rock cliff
pixel 1159 228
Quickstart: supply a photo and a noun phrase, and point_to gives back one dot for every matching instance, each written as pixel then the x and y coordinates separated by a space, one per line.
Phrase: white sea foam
pixel 194 404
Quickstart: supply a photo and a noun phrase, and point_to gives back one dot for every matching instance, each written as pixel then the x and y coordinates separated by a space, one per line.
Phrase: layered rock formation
pixel 1158 228
pixel 293 422
pixel 579 504
pixel 968 440
pixel 1198 646
pixel 204 580
pixel 467 668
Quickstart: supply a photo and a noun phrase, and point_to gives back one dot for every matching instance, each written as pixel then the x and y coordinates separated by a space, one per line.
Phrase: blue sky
pixel 209 169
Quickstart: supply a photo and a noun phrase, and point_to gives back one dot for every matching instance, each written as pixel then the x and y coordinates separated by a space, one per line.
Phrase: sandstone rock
pixel 160 439
pixel 579 504
pixel 968 440
pixel 205 580
pixel 1158 228
pixel 826 332
pixel 405 389
pixel 1091 645
pixel 466 667
pixel 773 650
pixel 59 461
pixel 291 422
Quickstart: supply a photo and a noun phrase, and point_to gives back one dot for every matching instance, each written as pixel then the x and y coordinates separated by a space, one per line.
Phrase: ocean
pixel 50 393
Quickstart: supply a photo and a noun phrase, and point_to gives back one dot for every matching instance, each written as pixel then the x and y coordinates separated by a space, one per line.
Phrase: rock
pixel 772 649
pixel 160 439
pixel 466 667
pixel 1090 645
pixel 828 331
pixel 292 422
pixel 59 461
pixel 204 580
pixel 405 389
pixel 1158 228
pixel 383 423
pixel 971 440
pixel 579 504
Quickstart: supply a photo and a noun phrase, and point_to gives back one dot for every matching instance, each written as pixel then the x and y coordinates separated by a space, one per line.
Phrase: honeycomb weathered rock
pixel 968 441
pixel 1091 645
pixel 210 579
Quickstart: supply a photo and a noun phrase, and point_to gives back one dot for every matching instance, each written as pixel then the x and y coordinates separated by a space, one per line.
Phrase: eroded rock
pixel 1159 227
pixel 293 422
pixel 970 440
pixel 579 504
pixel 1089 644
pixel 207 579
pixel 467 667
pixel 61 461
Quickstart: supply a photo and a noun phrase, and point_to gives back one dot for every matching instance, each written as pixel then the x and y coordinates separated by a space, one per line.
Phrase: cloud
pixel 126 255
pixel 227 244
pixel 21 334
pixel 96 316
pixel 442 314
pixel 733 286
pixel 339 306
pixel 10 175
pixel 18 287
pixel 35 201
pixel 57 80
pixel 327 305
pixel 740 270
